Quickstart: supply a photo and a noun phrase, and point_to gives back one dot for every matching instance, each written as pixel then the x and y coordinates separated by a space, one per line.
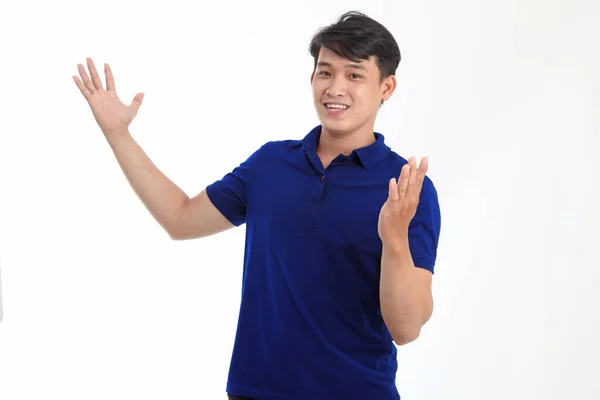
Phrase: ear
pixel 312 77
pixel 388 86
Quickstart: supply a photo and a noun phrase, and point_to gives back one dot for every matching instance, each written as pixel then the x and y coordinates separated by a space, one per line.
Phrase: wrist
pixel 396 246
pixel 116 136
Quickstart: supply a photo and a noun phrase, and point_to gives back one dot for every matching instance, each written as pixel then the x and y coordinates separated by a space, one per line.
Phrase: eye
pixel 323 72
pixel 355 76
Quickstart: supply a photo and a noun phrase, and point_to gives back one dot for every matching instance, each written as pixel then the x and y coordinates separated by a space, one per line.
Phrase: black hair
pixel 357 37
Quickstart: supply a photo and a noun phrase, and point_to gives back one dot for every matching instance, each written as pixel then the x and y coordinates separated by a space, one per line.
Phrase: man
pixel 339 255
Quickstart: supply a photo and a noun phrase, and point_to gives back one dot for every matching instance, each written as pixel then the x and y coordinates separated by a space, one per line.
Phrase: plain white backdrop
pixel 502 96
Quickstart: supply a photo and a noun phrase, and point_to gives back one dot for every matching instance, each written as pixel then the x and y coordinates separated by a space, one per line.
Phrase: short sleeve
pixel 230 194
pixel 424 229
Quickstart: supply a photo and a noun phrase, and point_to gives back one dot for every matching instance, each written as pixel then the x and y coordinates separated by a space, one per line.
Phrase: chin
pixel 337 127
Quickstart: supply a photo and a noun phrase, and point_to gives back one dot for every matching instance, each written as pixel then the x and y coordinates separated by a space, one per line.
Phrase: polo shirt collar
pixel 369 156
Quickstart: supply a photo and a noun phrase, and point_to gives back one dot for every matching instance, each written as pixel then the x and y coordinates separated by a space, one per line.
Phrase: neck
pixel 331 144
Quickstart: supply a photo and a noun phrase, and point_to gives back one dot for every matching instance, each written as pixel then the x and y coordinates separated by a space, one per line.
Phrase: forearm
pixel 163 198
pixel 405 303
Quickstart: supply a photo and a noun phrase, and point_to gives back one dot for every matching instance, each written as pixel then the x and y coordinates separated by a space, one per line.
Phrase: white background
pixel 99 303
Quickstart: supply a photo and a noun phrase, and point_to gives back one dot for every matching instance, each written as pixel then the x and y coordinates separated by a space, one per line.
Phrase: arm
pixel 405 293
pixel 409 226
pixel 180 216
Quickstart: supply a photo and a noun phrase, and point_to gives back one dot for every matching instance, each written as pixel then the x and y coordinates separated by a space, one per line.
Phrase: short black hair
pixel 357 37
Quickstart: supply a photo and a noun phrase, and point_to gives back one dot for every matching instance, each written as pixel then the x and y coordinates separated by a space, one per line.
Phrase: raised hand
pixel 110 113
pixel 403 199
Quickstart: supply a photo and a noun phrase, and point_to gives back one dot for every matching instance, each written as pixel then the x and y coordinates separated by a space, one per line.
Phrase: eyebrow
pixel 357 66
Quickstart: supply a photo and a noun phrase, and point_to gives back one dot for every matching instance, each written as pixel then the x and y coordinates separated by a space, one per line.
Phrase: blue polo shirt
pixel 310 325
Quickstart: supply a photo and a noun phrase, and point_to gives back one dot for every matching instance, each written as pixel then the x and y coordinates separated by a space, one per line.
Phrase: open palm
pixel 110 113
pixel 403 199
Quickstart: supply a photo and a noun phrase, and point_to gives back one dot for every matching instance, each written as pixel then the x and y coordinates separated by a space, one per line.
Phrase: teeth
pixel 339 106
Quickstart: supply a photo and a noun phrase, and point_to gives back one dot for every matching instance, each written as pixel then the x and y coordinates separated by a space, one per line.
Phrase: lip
pixel 335 102
pixel 335 112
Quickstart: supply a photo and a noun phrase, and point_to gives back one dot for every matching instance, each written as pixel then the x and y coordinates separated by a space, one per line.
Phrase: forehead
pixel 329 57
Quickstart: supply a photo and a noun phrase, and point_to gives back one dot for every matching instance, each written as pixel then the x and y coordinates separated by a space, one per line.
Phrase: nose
pixel 337 87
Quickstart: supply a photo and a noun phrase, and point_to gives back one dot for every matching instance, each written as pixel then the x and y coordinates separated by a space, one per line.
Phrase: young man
pixel 339 255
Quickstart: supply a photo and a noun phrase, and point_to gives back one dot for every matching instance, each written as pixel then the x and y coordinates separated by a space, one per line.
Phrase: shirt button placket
pixel 323 189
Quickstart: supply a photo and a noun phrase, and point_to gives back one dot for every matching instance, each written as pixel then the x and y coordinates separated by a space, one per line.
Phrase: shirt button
pixel 322 177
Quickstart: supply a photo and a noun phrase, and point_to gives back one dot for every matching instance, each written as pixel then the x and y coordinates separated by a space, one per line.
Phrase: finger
pixel 422 171
pixel 403 181
pixel 412 178
pixel 86 80
pixel 137 102
pixel 420 178
pixel 424 165
pixel 393 190
pixel 94 73
pixel 86 93
pixel 110 80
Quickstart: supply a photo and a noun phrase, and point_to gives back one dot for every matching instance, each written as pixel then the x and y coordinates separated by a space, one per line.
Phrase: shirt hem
pixel 246 391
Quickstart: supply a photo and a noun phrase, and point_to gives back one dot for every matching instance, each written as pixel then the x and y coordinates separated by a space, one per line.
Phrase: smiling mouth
pixel 335 109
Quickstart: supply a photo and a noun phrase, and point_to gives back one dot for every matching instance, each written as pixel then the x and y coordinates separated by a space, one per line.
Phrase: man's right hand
pixel 110 113
pixel 183 218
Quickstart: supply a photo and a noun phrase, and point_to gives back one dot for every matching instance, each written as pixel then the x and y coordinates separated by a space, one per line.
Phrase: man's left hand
pixel 402 202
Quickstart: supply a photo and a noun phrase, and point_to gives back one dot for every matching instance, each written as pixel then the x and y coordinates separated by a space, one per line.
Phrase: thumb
pixel 137 102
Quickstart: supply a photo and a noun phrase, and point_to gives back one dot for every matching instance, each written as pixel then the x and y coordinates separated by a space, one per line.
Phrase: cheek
pixel 317 90
pixel 362 96
pixel 366 101
pixel 371 97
